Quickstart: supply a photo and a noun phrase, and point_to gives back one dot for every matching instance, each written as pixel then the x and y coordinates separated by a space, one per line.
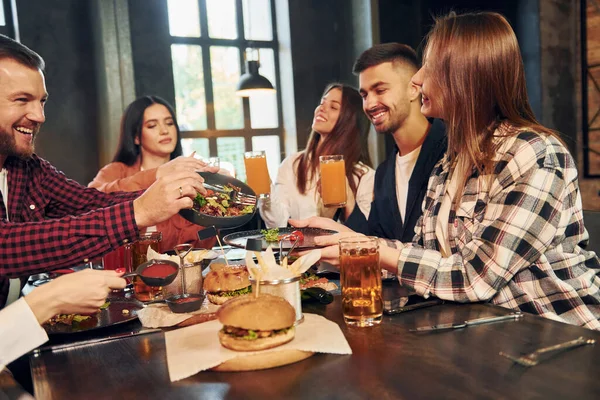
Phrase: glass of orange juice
pixel 257 173
pixel 333 180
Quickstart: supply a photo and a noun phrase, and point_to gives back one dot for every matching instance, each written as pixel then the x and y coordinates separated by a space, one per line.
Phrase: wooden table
pixel 388 362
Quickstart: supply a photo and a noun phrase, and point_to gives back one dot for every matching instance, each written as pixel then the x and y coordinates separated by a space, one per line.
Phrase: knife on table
pixel 471 322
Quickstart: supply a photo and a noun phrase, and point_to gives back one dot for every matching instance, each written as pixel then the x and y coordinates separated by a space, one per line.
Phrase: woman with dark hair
pixel 129 151
pixel 502 218
pixel 149 147
pixel 339 127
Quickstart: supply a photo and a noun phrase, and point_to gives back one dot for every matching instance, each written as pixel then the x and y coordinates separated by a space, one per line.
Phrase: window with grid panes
pixel 6 19
pixel 208 41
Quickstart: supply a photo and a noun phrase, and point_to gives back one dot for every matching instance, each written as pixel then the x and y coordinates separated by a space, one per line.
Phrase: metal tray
pixel 238 239
pixel 112 315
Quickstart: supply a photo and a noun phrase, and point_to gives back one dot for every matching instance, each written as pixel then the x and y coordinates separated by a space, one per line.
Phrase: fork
pixel 236 196
pixel 533 358
pixel 283 260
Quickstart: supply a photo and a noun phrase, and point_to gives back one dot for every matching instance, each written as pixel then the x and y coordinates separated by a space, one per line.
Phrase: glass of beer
pixel 360 278
pixel 139 250
pixel 257 173
pixel 333 180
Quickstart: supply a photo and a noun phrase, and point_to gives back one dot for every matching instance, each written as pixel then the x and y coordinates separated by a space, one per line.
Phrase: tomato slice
pixel 299 235
pixel 292 236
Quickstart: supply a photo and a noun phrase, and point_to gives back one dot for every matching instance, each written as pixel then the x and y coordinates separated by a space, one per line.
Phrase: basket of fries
pixel 268 276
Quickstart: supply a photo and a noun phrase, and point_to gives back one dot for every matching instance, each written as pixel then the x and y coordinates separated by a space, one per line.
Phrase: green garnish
pixel 239 292
pixel 247 209
pixel 222 202
pixel 79 318
pixel 105 305
pixel 271 235
pixel 201 200
pixel 251 335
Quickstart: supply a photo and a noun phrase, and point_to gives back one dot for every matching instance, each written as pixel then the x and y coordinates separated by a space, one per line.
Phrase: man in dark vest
pixel 393 104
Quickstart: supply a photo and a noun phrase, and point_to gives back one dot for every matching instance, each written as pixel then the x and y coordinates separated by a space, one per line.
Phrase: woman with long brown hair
pixel 339 127
pixel 502 218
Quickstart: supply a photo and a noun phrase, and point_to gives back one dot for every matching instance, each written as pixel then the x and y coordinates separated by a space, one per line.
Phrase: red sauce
pixel 182 300
pixel 159 271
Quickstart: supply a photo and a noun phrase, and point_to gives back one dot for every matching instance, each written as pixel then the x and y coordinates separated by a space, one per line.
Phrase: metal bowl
pixel 220 222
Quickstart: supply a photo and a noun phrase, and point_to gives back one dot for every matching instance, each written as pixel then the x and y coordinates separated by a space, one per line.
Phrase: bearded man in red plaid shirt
pixel 48 221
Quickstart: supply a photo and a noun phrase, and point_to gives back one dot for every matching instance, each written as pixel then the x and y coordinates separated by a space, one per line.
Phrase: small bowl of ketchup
pixel 184 303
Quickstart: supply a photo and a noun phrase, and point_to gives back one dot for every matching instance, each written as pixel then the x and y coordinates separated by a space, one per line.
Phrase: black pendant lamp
pixel 252 82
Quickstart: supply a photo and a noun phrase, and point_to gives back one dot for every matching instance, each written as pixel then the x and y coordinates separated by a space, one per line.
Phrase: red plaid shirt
pixel 54 222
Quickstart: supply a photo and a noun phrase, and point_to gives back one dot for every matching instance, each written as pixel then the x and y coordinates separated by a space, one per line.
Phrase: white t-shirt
pixel 20 332
pixel 15 284
pixel 4 189
pixel 404 168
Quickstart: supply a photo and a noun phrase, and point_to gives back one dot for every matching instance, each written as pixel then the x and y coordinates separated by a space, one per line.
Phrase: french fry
pixel 261 261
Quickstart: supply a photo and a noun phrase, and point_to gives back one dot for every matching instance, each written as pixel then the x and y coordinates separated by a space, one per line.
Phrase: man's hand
pixel 183 164
pixel 81 292
pixel 166 196
pixel 330 251
pixel 320 222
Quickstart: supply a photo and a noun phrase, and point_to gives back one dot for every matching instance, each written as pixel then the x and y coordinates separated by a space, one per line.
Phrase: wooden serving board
pixel 258 361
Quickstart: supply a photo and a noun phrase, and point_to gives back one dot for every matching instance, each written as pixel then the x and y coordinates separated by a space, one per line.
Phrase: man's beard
pixel 8 146
pixel 391 128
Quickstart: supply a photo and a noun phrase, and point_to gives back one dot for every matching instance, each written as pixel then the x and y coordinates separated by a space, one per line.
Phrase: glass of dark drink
pixel 360 278
pixel 139 250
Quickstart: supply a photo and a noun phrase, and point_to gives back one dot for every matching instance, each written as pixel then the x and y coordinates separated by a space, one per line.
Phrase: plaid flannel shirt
pixel 516 243
pixel 55 222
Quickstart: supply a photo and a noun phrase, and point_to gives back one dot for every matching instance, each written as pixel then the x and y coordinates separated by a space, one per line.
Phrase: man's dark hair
pixel 22 54
pixel 387 52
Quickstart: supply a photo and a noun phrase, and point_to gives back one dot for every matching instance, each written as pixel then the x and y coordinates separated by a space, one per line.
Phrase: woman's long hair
pixel 349 138
pixel 131 127
pixel 475 61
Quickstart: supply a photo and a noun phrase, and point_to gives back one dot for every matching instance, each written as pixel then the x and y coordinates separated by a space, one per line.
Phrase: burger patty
pixel 231 293
pixel 250 334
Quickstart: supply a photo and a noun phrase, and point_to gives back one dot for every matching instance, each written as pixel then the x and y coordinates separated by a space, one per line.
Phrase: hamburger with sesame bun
pixel 256 323
pixel 225 284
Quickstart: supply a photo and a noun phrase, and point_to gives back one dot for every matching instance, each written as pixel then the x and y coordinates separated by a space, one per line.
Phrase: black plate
pixel 220 222
pixel 112 315
pixel 238 239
